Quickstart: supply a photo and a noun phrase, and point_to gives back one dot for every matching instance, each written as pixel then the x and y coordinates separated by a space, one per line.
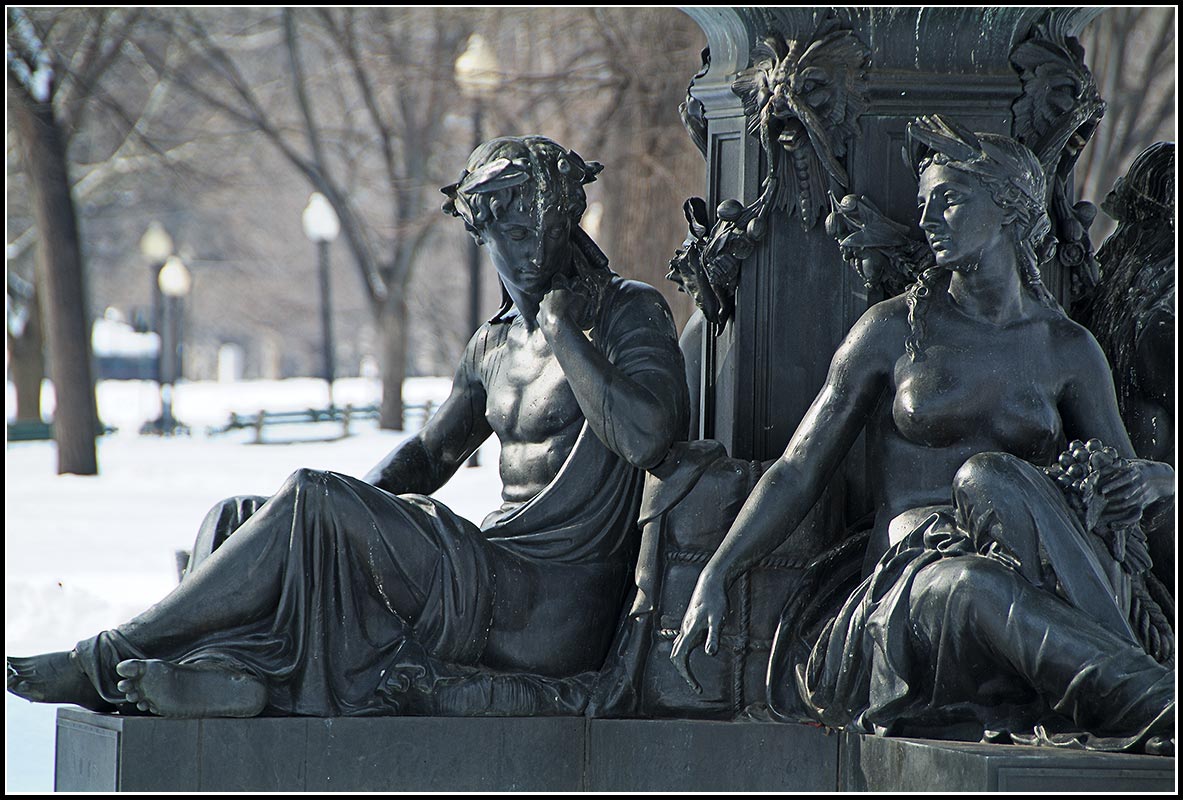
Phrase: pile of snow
pixel 87 553
pixel 111 336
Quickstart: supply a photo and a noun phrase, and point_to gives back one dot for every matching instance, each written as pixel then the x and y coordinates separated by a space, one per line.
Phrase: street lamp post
pixel 477 75
pixel 156 246
pixel 174 283
pixel 321 226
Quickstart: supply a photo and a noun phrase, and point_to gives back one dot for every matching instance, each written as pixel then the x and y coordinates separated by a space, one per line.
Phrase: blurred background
pixel 163 243
pixel 193 139
pixel 212 127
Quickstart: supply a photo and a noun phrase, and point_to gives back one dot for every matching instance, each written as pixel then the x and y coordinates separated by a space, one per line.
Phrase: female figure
pixel 308 602
pixel 998 611
pixel 1132 311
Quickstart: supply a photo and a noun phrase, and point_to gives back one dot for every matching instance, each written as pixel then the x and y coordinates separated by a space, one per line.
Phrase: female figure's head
pixel 978 192
pixel 523 197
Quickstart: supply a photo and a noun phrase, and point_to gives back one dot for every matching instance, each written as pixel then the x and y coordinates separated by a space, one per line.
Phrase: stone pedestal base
pixel 879 764
pixel 99 752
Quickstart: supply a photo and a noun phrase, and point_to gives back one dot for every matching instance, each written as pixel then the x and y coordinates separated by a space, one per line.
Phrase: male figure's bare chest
pixel 529 399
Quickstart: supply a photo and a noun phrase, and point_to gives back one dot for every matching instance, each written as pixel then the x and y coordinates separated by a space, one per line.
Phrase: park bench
pixel 39 430
pixel 345 415
pixel 29 431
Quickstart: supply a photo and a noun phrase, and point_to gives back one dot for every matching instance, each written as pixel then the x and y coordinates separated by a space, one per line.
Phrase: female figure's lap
pixel 955 626
pixel 992 630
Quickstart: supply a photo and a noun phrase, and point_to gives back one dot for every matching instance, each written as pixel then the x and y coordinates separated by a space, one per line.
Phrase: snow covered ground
pixel 84 554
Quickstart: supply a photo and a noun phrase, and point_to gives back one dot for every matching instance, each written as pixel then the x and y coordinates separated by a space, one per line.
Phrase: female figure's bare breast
pixel 532 410
pixel 995 385
pixel 977 389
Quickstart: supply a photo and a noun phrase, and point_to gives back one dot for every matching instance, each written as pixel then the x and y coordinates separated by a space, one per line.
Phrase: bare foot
pixel 190 690
pixel 54 678
pixel 1163 745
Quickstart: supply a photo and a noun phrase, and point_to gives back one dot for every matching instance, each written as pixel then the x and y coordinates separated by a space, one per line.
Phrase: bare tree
pixel 335 56
pixel 1131 52
pixel 658 165
pixel 599 81
pixel 98 118
pixel 377 89
pixel 40 82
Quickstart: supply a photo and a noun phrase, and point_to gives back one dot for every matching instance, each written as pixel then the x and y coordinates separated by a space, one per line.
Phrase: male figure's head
pixel 523 198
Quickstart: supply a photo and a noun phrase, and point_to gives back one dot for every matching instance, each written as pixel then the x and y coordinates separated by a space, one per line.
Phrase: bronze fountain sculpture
pixel 1010 606
pixel 1004 585
pixel 1009 584
pixel 339 596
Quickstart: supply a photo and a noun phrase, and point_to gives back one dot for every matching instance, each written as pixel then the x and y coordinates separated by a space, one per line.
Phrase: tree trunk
pixel 61 290
pixel 27 362
pixel 392 330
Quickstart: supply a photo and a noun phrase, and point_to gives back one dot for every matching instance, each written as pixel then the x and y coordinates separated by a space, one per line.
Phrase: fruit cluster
pixel 1076 472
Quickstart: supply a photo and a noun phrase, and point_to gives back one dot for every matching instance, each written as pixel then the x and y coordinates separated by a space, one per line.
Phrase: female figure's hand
pixel 1128 489
pixel 703 619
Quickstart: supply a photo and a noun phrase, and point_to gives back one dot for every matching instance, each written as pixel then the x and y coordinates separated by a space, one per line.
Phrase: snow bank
pixel 84 554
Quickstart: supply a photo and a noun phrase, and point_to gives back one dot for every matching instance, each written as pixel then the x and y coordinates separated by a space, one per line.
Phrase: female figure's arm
pixel 426 461
pixel 1088 408
pixel 637 406
pixel 788 490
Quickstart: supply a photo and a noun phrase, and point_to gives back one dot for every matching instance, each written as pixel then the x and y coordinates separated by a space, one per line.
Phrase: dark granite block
pixel 683 756
pixel 446 754
pixel 91 752
pixel 86 755
pixel 254 755
pixel 170 749
pixel 880 764
pixel 98 752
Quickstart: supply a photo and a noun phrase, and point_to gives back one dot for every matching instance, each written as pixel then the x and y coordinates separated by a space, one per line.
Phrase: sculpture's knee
pixel 988 475
pixel 305 480
pixel 963 589
pixel 310 495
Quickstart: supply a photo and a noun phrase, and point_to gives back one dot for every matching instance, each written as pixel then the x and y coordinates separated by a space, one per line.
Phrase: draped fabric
pixel 586 515
pixel 952 636
pixel 347 547
pixel 333 632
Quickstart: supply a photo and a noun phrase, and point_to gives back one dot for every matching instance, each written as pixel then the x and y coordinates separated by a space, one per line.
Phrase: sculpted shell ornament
pixel 804 97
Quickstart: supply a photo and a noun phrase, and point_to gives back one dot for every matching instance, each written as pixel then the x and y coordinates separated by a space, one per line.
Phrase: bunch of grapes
pixel 1076 472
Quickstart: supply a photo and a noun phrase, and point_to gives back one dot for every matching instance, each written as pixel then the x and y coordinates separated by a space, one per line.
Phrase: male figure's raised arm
pixel 426 461
pixel 634 397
